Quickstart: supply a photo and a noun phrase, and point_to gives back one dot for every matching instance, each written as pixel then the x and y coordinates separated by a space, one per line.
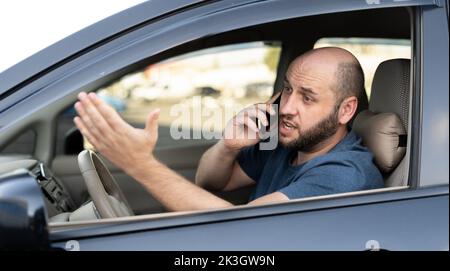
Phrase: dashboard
pixel 56 196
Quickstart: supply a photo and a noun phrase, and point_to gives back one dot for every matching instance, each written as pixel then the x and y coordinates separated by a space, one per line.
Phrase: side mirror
pixel 23 219
pixel 73 142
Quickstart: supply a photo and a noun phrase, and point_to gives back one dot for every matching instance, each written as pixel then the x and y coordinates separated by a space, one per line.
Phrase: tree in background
pixel 271 58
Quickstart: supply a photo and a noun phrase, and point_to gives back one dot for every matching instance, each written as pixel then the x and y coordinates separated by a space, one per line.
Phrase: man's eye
pixel 287 89
pixel 307 99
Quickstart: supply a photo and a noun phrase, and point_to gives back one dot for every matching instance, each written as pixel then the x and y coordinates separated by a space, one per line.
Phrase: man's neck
pixel 321 148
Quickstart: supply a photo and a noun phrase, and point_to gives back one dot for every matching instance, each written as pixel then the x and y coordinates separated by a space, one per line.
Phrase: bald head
pixel 342 65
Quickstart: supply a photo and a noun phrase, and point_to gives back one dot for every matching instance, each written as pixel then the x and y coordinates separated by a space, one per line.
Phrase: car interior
pixel 381 120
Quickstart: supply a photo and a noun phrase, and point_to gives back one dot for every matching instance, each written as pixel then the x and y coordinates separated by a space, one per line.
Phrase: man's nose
pixel 289 107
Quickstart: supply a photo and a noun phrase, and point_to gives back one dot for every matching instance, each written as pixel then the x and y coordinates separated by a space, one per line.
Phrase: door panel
pixel 391 220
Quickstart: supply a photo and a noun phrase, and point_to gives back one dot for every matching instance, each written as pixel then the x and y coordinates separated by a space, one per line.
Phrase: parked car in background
pixel 207 91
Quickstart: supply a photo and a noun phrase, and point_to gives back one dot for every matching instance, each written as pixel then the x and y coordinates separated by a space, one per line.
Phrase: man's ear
pixel 347 109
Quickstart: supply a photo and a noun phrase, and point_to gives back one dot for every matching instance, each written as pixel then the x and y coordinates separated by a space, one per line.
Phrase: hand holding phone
pixel 245 129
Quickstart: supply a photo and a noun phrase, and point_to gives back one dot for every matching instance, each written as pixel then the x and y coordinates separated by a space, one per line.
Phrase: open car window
pixel 197 87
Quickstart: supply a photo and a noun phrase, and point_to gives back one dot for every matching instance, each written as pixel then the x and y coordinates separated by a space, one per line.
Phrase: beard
pixel 307 140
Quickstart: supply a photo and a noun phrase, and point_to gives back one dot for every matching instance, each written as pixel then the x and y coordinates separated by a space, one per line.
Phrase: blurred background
pixel 224 79
pixel 197 90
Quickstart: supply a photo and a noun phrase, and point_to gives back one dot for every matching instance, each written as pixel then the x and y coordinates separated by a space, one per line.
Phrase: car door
pixel 392 220
pixel 362 222
pixel 182 159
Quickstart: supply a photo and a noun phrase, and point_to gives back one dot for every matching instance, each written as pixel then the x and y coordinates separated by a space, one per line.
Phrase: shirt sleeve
pixel 252 161
pixel 325 179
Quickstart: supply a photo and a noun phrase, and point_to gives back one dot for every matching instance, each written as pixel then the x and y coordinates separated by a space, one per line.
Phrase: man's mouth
pixel 286 128
pixel 288 125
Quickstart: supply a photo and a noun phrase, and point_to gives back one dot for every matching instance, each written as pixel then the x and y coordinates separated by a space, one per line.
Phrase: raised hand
pixel 115 139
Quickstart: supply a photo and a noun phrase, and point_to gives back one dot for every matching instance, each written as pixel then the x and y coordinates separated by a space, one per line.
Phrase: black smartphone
pixel 270 118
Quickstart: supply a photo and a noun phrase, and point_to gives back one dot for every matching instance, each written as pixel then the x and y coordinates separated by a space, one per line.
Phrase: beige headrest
pixel 384 135
pixel 390 89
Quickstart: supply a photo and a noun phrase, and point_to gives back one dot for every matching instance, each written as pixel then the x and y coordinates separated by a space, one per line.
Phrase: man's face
pixel 308 107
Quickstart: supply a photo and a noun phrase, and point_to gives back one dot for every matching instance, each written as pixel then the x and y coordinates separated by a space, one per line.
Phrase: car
pixel 45 203
pixel 207 91
pixel 146 94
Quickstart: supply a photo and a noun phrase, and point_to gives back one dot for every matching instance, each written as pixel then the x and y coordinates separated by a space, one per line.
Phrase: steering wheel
pixel 102 187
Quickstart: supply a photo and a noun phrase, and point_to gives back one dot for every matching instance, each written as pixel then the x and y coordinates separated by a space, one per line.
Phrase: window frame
pixel 429 155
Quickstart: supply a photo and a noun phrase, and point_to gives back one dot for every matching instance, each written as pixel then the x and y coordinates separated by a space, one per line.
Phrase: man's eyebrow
pixel 303 89
pixel 308 90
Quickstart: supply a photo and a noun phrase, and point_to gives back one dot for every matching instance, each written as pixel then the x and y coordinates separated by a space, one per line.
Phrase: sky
pixel 27 26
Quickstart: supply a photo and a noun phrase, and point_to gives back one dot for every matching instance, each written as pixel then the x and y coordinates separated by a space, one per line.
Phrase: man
pixel 317 154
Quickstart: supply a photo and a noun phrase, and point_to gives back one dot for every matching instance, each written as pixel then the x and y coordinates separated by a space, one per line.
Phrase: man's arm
pixel 131 149
pixel 175 192
pixel 219 170
pixel 178 194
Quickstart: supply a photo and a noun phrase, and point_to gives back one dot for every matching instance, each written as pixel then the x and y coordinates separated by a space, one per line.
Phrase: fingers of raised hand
pixel 91 122
pixel 110 115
